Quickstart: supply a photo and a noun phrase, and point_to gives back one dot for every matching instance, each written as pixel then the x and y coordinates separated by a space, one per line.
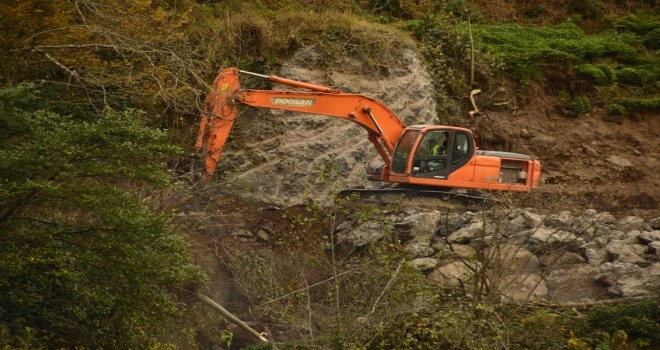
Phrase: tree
pixel 135 53
pixel 84 261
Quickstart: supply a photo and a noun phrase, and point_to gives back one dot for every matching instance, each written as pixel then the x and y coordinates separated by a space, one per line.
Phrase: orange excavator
pixel 424 156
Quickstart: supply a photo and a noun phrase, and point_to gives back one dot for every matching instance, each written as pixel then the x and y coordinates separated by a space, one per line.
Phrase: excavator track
pixel 444 195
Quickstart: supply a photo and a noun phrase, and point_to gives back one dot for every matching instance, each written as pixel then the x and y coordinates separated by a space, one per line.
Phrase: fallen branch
pixel 231 317
pixel 475 109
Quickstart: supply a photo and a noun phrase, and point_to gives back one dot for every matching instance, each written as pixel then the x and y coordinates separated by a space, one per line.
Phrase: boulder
pixel 559 259
pixel 451 274
pixel 619 162
pixel 509 258
pixel 543 239
pixel 640 250
pixel 595 256
pixel 654 248
pixel 364 234
pixel 655 223
pixel 532 220
pixel 618 251
pixel 423 226
pixel 423 264
pixel 468 233
pixel 263 235
pixel 606 218
pixel 463 251
pixel 630 223
pixel 573 284
pixel 613 235
pixel 624 280
pixel 560 221
pixel 449 224
pixel 523 287
pixel 631 237
pixel 648 237
pixel 516 224
pixel 419 247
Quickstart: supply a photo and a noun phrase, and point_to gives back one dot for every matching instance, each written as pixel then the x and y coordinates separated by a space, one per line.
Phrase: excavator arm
pixel 383 126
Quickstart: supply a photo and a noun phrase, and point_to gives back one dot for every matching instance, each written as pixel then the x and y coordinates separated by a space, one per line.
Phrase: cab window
pixel 462 147
pixel 431 153
pixel 433 144
pixel 403 150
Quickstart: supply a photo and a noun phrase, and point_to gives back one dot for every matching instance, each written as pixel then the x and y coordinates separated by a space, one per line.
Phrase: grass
pixel 522 49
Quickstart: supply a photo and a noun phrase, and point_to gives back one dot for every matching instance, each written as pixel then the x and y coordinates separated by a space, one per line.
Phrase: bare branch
pixel 387 286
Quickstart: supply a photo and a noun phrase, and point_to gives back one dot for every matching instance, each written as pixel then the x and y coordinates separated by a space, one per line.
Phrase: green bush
pixel 646 105
pixel 629 76
pixel 542 329
pixel 652 39
pixel 578 106
pixel 523 49
pixel 638 24
pixel 609 73
pixel 616 109
pixel 595 74
pixel 640 320
pixel 453 325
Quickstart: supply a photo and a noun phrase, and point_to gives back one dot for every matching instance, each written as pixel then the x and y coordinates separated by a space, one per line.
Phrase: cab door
pixel 403 151
pixel 441 152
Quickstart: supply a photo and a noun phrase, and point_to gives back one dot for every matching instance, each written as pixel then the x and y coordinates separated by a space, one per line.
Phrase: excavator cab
pixel 432 152
pixel 444 156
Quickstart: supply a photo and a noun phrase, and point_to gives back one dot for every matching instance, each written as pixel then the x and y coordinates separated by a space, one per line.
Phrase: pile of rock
pixel 522 255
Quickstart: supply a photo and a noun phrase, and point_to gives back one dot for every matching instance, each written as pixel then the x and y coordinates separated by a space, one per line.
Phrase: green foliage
pixel 640 320
pixel 595 74
pixel 615 109
pixel 618 326
pixel 652 39
pixel 85 262
pixel 522 49
pixel 642 79
pixel 541 329
pixel 641 24
pixel 574 107
pixel 629 76
pixel 443 324
pixel 444 48
pixel 638 105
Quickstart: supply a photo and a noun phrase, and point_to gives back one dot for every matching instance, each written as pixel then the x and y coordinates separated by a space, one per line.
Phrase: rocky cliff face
pixel 284 157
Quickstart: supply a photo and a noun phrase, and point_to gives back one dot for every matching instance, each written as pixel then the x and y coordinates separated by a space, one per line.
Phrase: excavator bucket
pixel 217 120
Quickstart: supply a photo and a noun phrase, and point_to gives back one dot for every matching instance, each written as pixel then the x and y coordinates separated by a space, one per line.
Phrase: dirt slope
pixel 587 162
pixel 283 157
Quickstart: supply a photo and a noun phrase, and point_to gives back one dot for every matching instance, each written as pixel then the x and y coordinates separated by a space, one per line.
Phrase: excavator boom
pixel 383 126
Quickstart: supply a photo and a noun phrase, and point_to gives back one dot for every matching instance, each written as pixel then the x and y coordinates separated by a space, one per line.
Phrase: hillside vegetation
pixel 107 239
